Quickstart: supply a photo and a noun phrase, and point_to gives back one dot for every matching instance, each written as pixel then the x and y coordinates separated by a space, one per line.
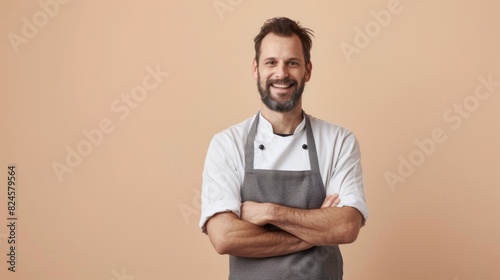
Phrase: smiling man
pixel 283 189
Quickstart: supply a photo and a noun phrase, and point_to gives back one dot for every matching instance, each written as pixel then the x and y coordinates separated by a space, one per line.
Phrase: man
pixel 283 189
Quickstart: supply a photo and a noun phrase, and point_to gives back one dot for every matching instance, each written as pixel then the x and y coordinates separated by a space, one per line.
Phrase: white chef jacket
pixel 338 157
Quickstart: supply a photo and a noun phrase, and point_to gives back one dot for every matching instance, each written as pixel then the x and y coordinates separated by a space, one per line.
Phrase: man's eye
pixel 271 62
pixel 293 63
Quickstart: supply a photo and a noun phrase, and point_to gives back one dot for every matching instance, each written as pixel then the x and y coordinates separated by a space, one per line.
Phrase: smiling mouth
pixel 282 84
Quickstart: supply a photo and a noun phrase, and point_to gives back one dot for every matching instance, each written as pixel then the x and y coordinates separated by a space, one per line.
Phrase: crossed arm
pixel 301 228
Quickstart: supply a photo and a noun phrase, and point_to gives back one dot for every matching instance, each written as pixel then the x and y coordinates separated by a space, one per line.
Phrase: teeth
pixel 281 85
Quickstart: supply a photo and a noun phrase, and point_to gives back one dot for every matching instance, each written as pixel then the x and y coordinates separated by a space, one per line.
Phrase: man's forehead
pixel 279 46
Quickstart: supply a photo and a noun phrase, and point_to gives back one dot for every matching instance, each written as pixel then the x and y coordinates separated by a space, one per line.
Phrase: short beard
pixel 276 105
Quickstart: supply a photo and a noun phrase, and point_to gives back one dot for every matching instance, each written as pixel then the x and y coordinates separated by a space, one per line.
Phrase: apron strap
pixel 249 146
pixel 313 154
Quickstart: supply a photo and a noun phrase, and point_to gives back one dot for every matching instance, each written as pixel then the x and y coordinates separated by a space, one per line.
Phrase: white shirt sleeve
pixel 221 180
pixel 347 177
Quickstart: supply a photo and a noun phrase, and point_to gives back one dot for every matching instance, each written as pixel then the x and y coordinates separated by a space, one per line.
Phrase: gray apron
pixel 299 189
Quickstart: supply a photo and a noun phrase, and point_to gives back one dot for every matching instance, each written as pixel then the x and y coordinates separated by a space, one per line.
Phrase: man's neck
pixel 283 122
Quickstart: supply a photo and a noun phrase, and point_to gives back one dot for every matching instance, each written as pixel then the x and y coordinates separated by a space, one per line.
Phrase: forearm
pixel 319 227
pixel 232 236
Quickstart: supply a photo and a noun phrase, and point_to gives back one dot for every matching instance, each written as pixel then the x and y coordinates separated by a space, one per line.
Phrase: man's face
pixel 281 72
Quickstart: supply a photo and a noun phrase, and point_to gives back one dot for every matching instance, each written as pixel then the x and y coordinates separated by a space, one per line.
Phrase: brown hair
pixel 285 27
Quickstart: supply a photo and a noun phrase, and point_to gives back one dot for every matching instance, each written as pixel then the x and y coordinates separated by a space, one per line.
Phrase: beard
pixel 277 105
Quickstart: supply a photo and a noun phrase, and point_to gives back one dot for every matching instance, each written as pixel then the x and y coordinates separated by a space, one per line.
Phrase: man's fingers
pixel 336 202
pixel 331 200
pixel 326 202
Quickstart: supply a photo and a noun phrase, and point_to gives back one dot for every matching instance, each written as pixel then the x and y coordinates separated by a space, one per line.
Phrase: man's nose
pixel 281 71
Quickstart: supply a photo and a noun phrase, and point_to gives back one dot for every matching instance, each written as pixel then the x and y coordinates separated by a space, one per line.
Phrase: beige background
pixel 129 209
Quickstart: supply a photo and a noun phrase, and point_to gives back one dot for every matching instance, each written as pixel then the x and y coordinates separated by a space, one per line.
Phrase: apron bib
pixel 298 189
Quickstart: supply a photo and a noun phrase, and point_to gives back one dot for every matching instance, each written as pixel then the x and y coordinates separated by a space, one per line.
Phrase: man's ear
pixel 255 69
pixel 309 68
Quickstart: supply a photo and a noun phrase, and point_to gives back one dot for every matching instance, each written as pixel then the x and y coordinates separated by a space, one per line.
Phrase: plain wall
pixel 412 91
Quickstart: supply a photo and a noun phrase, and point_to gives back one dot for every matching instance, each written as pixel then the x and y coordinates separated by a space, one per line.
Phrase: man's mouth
pixel 282 84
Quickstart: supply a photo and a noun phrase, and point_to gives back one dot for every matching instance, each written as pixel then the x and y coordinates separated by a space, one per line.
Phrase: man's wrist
pixel 272 213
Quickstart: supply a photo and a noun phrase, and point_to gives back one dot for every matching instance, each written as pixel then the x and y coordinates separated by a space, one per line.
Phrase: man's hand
pixel 255 212
pixel 326 226
pixel 331 200
pixel 258 213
